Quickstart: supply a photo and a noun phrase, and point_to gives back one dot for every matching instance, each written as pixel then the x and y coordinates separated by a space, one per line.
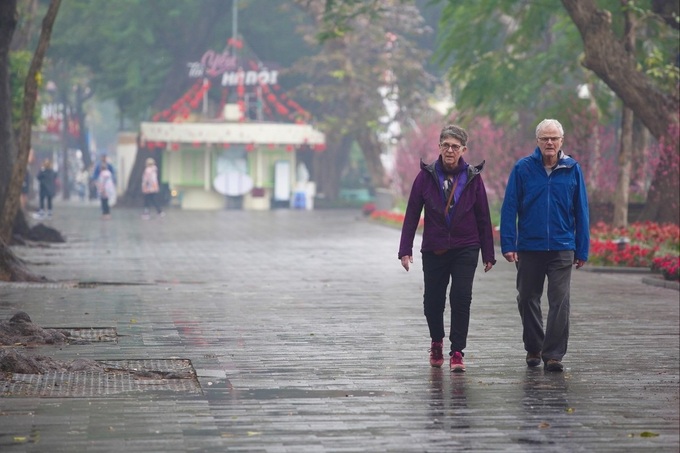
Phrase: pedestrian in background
pixel 82 180
pixel 457 226
pixel 107 191
pixel 545 230
pixel 48 182
pixel 150 188
pixel 102 164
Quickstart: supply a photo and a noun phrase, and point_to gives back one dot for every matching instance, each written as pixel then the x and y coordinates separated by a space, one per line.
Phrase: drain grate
pixel 88 334
pixel 121 378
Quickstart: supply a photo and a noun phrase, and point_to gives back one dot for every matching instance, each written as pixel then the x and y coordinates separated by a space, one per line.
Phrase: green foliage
pixel 19 63
pixel 339 15
pixel 507 57
pixel 344 80
pixel 666 74
pixel 120 43
pixel 136 50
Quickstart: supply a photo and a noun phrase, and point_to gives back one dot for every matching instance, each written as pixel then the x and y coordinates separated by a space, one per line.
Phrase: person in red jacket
pixel 457 226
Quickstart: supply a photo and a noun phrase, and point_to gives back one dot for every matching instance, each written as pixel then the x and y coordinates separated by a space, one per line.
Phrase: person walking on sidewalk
pixel 544 231
pixel 101 165
pixel 457 226
pixel 150 188
pixel 48 182
pixel 107 191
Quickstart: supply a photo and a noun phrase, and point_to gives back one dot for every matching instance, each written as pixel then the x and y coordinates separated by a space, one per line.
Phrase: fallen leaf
pixel 543 425
pixel 648 434
pixel 20 439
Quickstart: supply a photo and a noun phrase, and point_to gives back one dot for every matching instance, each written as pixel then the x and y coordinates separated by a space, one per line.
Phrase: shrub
pixel 668 266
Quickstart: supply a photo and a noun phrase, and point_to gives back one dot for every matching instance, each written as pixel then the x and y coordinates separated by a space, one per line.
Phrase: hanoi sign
pixel 226 65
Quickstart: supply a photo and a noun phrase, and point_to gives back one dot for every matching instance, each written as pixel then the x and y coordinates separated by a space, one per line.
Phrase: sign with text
pixel 227 66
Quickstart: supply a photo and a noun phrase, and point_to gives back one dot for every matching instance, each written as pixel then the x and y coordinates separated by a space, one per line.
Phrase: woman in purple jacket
pixel 457 226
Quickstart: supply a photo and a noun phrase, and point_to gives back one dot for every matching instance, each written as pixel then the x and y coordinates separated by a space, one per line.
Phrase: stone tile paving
pixel 307 336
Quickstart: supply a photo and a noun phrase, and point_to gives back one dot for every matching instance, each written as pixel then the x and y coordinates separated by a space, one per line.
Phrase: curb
pixel 661 282
pixel 652 279
pixel 617 269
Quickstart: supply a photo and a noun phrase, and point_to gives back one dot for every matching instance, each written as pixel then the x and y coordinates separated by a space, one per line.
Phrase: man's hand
pixel 579 263
pixel 405 260
pixel 511 257
pixel 488 266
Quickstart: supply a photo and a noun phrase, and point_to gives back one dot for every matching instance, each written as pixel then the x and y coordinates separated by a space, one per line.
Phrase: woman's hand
pixel 405 260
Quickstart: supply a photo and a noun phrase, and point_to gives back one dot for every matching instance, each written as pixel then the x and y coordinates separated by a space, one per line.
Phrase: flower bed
pixel 641 244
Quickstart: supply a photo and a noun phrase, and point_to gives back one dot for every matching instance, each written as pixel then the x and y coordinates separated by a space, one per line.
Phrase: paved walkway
pixel 307 336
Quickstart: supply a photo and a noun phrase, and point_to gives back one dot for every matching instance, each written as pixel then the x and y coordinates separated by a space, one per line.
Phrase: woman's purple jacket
pixel 470 223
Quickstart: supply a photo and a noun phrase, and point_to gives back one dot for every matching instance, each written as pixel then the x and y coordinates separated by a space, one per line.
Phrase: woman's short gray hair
pixel 549 122
pixel 454 131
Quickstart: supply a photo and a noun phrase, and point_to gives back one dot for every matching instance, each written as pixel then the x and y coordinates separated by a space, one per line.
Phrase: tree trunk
pixel 21 227
pixel 640 144
pixel 8 23
pixel 623 181
pixel 81 97
pixel 622 192
pixel 63 172
pixel 607 57
pixel 596 153
pixel 328 166
pixel 371 150
pixel 11 202
pixel 13 269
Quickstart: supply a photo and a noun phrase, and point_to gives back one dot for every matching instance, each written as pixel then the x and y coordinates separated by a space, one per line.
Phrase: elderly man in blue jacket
pixel 545 230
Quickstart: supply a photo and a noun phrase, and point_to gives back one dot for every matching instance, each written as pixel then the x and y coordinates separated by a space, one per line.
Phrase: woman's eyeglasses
pixel 446 146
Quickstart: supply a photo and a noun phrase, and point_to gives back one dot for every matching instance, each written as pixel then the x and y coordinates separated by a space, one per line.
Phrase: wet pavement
pixel 306 335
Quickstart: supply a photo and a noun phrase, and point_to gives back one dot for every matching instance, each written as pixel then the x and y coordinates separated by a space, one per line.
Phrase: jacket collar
pixel 563 160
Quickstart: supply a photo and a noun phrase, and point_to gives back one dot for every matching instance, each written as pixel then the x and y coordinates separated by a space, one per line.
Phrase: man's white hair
pixel 549 122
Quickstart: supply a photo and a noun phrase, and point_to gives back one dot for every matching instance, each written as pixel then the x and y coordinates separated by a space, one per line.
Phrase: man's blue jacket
pixel 544 212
